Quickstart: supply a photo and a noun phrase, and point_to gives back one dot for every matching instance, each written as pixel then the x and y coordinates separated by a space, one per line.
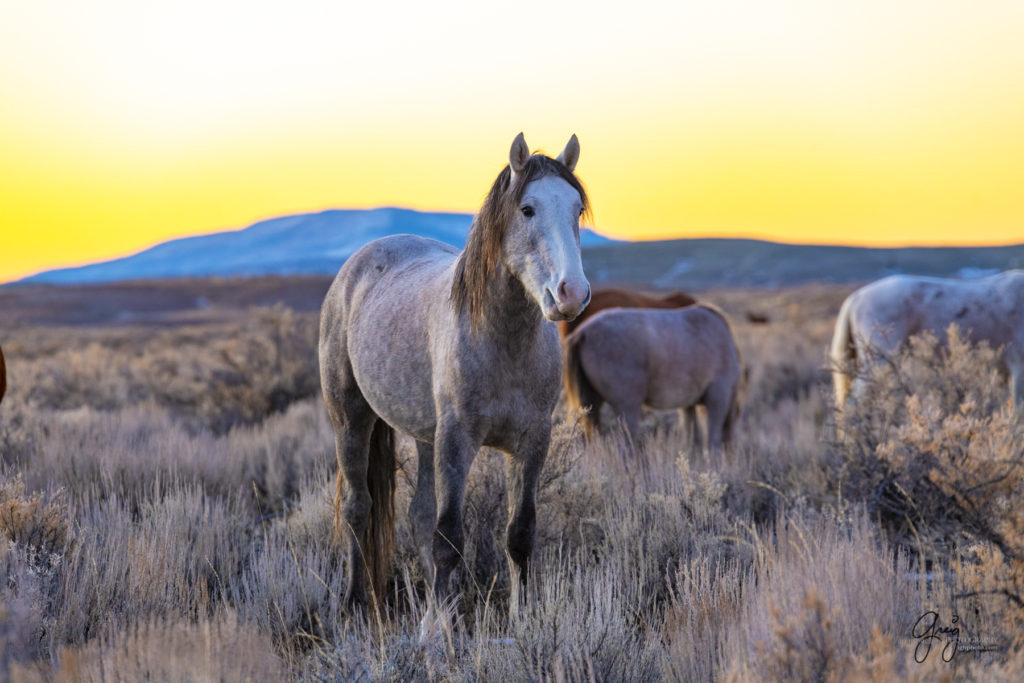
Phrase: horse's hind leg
pixel 691 426
pixel 353 421
pixel 1015 366
pixel 717 404
pixel 630 416
pixel 423 507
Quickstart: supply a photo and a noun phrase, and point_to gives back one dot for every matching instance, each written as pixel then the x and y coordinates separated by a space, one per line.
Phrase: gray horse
pixel 678 358
pixel 454 350
pixel 884 314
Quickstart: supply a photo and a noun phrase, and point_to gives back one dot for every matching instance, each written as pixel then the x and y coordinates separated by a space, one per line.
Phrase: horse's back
pixel 890 310
pixel 385 260
pixel 704 326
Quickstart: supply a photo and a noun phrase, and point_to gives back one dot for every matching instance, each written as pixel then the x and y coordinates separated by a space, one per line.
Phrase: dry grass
pixel 165 510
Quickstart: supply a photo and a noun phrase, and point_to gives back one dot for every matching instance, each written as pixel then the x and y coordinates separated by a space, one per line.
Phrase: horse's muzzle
pixel 569 302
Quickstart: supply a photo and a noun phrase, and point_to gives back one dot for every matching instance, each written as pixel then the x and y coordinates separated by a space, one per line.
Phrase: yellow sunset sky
pixel 126 123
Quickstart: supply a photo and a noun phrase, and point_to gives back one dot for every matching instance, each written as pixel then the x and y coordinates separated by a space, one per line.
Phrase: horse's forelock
pixel 480 258
pixel 540 165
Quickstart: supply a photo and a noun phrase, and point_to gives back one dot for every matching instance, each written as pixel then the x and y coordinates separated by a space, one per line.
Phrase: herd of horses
pixel 455 349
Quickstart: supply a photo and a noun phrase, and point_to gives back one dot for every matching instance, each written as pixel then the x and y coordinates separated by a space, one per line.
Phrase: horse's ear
pixel 571 154
pixel 519 154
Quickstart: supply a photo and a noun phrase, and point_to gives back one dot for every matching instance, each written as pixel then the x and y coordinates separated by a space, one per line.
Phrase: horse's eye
pixel 581 213
pixel 527 211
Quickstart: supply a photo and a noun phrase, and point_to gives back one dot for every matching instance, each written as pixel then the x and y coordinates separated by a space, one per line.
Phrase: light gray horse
pixel 454 350
pixel 882 315
pixel 677 358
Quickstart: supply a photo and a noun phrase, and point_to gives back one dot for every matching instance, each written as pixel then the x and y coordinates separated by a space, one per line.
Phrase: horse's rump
pixel 603 299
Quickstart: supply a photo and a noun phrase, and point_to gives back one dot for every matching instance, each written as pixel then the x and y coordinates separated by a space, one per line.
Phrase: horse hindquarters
pixel 364 497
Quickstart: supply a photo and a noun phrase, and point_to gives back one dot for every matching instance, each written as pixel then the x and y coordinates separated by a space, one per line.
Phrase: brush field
pixel 166 514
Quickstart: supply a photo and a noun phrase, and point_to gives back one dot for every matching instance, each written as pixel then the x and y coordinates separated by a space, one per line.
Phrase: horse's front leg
pixel 454 449
pixel 522 474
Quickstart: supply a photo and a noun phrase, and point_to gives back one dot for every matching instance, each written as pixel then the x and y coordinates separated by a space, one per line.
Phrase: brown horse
pixel 3 376
pixel 663 359
pixel 457 351
pixel 621 298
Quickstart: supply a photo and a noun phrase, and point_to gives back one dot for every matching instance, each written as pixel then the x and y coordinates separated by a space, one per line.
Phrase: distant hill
pixel 304 244
pixel 692 265
pixel 711 263
pixel 317 244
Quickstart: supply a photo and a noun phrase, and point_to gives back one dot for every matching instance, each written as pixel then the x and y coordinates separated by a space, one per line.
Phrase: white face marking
pixel 543 247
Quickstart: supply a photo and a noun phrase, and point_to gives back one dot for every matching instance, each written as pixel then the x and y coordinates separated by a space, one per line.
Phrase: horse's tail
pixel 843 354
pixel 579 392
pixel 378 541
pixel 3 375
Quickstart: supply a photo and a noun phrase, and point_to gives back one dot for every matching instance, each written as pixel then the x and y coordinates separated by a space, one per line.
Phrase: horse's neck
pixel 510 314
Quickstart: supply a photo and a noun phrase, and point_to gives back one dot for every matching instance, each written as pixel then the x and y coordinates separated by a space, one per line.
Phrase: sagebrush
pixel 165 511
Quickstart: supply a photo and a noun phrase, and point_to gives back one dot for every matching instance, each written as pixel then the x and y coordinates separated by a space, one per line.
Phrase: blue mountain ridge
pixel 301 244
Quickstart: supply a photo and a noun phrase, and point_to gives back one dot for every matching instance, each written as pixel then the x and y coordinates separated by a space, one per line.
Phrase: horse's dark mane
pixel 479 261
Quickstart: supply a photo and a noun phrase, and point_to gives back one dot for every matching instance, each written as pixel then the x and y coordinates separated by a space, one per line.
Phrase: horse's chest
pixel 504 382
pixel 507 395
